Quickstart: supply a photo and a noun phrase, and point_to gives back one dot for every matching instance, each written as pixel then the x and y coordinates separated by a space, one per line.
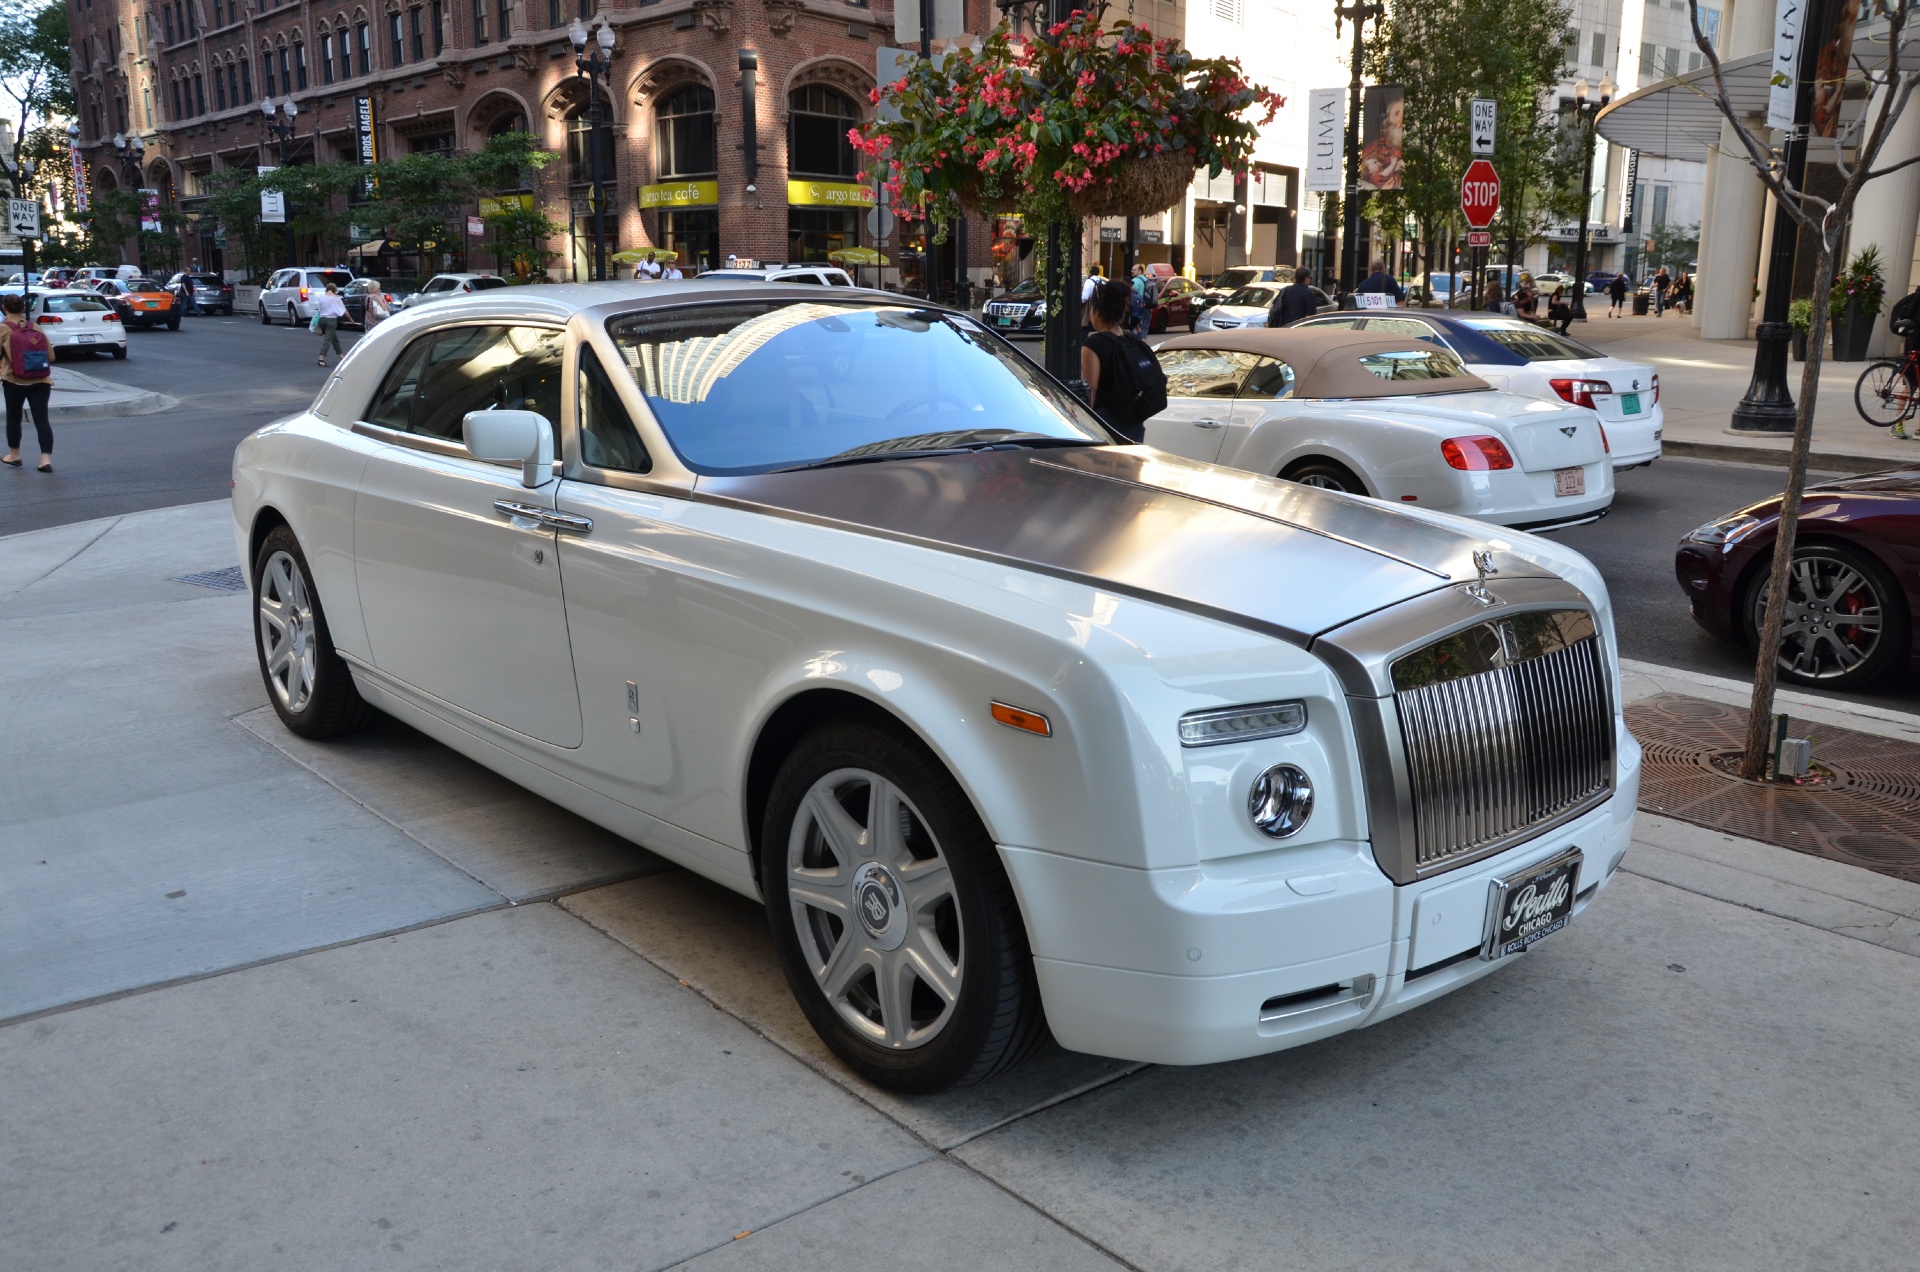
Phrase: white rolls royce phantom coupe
pixel 841 602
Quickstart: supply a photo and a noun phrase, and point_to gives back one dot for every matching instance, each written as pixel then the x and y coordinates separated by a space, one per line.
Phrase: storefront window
pixel 814 233
pixel 686 134
pixel 695 234
pixel 818 121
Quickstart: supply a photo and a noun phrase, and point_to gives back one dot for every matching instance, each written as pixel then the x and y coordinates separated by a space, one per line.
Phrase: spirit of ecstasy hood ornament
pixel 1483 562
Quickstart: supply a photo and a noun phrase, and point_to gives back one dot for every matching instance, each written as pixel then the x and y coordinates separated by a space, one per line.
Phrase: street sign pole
pixel 1479 203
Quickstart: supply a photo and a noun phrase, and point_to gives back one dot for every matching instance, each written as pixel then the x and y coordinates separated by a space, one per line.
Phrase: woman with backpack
pixel 1125 385
pixel 26 375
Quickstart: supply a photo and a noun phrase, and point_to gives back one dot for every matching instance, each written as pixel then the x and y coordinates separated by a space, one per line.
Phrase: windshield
pixel 1254 297
pixel 1535 344
pixel 1240 277
pixel 749 386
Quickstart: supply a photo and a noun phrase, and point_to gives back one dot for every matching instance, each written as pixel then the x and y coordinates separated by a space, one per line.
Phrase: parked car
pixel 823 275
pixel 1173 304
pixel 1398 419
pixel 1022 311
pixel 94 273
pixel 211 293
pixel 77 321
pixel 1545 283
pixel 1012 729
pixel 1229 281
pixel 447 286
pixel 58 276
pixel 1522 357
pixel 392 292
pixel 140 302
pixel 1855 584
pixel 290 293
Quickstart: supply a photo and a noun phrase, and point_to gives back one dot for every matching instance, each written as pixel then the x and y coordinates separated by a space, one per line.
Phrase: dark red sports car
pixel 1856 578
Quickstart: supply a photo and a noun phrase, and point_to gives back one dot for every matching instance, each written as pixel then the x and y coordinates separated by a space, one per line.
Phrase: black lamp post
pixel 279 128
pixel 1359 14
pixel 593 66
pixel 131 150
pixel 1064 265
pixel 19 178
pixel 1585 111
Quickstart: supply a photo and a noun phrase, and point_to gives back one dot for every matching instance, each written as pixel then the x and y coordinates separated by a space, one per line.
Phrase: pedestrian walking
pixel 1125 385
pixel 1617 294
pixel 1295 301
pixel 26 375
pixel 1683 293
pixel 328 310
pixel 1137 319
pixel 1658 286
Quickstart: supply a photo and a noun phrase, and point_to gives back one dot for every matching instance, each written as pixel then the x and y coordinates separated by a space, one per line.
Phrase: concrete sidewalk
pixel 78 396
pixel 277 1004
pixel 1701 381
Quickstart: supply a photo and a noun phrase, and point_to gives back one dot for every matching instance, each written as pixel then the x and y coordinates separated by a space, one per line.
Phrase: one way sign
pixel 23 218
pixel 1482 126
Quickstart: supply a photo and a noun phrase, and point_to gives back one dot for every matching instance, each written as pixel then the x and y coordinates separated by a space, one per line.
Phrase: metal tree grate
pixel 1865 811
pixel 227 580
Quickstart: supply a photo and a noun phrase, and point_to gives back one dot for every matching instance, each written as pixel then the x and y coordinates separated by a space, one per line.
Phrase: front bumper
pixel 1237 958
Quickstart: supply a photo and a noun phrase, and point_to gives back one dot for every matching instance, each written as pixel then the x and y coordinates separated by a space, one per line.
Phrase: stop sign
pixel 1480 194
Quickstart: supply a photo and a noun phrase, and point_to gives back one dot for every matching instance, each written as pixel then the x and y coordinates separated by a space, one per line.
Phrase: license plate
pixel 1630 404
pixel 1569 481
pixel 1522 908
pixel 87 339
pixel 1004 322
pixel 149 304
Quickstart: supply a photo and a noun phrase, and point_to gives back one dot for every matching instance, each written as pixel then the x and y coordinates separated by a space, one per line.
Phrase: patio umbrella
pixel 857 256
pixel 633 256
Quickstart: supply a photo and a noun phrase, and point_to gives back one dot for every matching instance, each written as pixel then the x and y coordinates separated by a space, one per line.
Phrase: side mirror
pixel 512 437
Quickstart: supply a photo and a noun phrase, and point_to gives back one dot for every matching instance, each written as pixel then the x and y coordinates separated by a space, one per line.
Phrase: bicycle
pixel 1888 391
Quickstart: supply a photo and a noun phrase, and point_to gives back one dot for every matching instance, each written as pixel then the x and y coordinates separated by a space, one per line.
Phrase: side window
pixel 1204 373
pixel 1269 380
pixel 607 436
pixel 442 376
pixel 1332 323
pixel 1410 327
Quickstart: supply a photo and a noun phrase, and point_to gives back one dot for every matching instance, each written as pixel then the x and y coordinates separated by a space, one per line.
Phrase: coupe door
pixel 1265 389
pixel 459 573
pixel 1201 387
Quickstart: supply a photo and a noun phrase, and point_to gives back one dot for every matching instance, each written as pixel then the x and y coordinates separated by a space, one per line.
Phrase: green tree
pixel 35 60
pixel 1675 246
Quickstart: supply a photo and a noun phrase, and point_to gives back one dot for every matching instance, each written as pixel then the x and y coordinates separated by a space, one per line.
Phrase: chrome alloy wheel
pixel 1321 481
pixel 287 637
pixel 1834 618
pixel 874 908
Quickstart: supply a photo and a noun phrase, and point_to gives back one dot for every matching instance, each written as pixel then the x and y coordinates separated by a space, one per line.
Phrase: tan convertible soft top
pixel 1327 363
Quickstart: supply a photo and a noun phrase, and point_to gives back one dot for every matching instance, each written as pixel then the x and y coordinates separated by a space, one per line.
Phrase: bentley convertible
pixel 1015 729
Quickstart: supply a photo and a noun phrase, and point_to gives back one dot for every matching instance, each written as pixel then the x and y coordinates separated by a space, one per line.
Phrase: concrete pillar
pixel 1711 189
pixel 1730 253
pixel 1888 216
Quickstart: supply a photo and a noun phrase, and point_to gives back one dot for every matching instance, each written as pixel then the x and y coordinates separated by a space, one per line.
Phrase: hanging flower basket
pixel 1138 187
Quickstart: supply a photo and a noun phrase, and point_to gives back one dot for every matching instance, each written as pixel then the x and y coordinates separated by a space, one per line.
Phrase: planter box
pixel 1852 333
pixel 1799 346
pixel 246 300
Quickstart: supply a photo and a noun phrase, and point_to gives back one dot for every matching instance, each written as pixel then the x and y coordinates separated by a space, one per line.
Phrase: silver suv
pixel 823 275
pixel 290 293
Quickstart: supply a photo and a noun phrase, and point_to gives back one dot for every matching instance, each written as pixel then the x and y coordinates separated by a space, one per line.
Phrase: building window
pixel 246 81
pixel 433 144
pixel 439 26
pixel 146 106
pixel 580 158
pixel 686 134
pixel 219 90
pixel 326 58
pixel 553 14
pixel 120 108
pixel 506 19
pixel 479 23
pixel 818 119
pixel 300 64
pixel 396 41
pixel 233 85
pixel 173 85
pixel 1597 55
pixel 364 38
pixel 814 233
pixel 93 112
pixel 286 71
pixel 166 17
pixel 418 27
pixel 199 96
pixel 266 72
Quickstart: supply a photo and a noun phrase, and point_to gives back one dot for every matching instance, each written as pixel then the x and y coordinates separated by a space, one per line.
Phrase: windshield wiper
pixel 925 445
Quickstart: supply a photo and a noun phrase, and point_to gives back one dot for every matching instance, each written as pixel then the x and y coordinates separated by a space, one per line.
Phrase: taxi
pixel 140 302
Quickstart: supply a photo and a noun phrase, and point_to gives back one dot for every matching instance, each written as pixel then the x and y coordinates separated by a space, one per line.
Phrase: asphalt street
pixel 232 375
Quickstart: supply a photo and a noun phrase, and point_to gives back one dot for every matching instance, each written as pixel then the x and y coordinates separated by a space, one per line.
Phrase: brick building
pixel 188 77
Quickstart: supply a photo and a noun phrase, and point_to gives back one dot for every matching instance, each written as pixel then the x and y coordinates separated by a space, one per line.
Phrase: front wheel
pixel 1846 621
pixel 308 683
pixel 266 319
pixel 893 916
pixel 1884 395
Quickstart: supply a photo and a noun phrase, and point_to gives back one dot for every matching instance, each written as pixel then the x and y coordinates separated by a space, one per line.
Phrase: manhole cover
pixel 227 580
pixel 1863 807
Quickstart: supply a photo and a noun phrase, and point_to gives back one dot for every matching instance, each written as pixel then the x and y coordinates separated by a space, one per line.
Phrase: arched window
pixel 817 122
pixel 579 156
pixel 686 134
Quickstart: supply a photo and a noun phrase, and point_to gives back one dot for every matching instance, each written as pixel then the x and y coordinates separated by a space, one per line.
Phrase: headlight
pixel 1727 531
pixel 1280 801
pixel 1242 724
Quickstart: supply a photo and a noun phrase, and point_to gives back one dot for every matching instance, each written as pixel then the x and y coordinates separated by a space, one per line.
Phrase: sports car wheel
pixel 1325 475
pixel 307 682
pixel 1845 622
pixel 895 921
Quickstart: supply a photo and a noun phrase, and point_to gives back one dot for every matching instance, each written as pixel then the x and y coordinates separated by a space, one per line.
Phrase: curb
pixel 1827 461
pixel 143 402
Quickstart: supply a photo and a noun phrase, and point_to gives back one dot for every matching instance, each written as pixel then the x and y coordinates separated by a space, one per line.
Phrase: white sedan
pixel 836 599
pixel 77 321
pixel 1524 357
pixel 1245 308
pixel 1389 417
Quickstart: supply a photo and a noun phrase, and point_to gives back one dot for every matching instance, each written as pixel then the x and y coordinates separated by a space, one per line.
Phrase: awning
pixel 1678 118
pixel 370 248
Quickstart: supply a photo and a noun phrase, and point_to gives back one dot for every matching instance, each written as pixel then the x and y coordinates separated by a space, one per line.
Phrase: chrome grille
pixel 1507 728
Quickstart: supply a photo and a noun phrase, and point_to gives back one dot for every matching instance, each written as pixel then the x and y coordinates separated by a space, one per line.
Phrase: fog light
pixel 1280 801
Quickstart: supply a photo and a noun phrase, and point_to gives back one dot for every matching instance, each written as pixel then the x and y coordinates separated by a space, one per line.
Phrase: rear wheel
pixel 1325 474
pixel 119 351
pixel 893 916
pixel 173 324
pixel 308 683
pixel 1846 621
pixel 1883 395
pixel 293 315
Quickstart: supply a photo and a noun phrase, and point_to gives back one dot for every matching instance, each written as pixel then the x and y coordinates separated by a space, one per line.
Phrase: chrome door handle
pixel 1206 423
pixel 551 520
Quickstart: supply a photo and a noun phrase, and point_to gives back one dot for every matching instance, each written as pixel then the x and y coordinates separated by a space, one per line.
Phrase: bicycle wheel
pixel 1884 395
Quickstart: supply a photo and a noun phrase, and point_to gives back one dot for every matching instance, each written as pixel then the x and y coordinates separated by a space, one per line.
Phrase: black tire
pixel 1884 396
pixel 293 315
pixel 1817 646
pixel 995 1019
pixel 173 324
pixel 331 707
pixel 266 319
pixel 1326 474
pixel 119 353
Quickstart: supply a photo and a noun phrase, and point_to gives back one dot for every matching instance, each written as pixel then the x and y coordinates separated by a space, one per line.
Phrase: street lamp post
pixel 1061 286
pixel 279 128
pixel 593 66
pixel 131 150
pixel 1359 14
pixel 19 179
pixel 1586 111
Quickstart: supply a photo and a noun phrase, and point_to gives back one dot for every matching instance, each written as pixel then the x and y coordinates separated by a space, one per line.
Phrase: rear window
pixel 1413 364
pixel 395 286
pixel 143 284
pixel 75 305
pixel 322 277
pixel 1535 344
pixel 488 284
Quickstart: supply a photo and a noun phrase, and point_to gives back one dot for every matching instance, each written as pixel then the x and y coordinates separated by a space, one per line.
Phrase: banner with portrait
pixel 1383 136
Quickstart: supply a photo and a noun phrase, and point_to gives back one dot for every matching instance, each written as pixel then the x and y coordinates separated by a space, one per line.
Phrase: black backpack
pixel 1139 385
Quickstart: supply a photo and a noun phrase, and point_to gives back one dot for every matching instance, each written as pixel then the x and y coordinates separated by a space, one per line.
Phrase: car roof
pixel 1472 344
pixel 1326 363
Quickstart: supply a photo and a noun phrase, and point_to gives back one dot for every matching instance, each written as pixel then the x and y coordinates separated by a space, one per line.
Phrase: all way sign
pixel 1480 194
